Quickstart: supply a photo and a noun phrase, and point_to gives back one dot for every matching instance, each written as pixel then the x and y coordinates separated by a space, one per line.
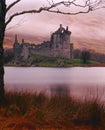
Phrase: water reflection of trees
pixel 60 90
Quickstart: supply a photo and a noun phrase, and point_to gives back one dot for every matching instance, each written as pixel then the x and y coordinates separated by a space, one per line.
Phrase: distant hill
pixel 97 46
pixel 79 43
pixel 8 42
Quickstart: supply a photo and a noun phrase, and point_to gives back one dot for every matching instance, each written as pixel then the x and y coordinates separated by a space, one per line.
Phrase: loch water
pixel 80 82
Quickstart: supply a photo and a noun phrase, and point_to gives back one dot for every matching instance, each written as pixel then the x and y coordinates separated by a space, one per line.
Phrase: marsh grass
pixel 53 111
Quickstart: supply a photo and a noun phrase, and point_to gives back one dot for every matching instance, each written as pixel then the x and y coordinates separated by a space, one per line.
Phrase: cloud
pixel 40 26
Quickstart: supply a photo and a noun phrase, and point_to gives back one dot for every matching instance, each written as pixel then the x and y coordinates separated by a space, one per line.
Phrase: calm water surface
pixel 81 82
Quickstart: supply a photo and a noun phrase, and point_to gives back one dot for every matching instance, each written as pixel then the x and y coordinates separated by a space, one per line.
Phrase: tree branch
pixel 68 13
pixel 19 23
pixel 88 5
pixel 11 5
pixel 24 12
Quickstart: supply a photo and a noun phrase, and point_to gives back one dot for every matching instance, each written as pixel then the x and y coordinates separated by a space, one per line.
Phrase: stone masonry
pixel 58 46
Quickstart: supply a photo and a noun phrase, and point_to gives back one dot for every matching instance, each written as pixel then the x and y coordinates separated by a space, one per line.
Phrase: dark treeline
pixel 93 55
pixel 8 55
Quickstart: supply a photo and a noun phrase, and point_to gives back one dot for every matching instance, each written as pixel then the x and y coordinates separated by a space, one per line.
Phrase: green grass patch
pixel 58 62
pixel 42 61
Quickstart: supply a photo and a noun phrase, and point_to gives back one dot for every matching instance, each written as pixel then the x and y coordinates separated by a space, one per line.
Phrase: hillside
pixel 9 40
pixel 91 44
pixel 79 43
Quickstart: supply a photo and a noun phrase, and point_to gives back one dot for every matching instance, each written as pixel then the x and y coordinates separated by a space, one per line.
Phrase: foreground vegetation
pixel 37 111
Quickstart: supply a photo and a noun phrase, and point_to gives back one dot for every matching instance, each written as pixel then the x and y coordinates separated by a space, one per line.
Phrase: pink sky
pixel 90 25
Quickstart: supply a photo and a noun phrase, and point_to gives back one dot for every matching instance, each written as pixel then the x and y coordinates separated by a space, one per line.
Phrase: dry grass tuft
pixel 36 111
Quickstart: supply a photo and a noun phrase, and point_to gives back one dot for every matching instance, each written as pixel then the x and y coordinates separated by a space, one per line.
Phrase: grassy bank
pixel 43 61
pixel 25 111
pixel 58 62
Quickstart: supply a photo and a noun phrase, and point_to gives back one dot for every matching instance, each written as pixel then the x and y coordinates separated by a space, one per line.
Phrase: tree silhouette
pixel 54 7
pixel 85 56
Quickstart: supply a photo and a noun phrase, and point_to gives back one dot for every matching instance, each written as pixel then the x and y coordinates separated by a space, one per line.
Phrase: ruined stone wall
pixel 58 46
pixel 61 53
pixel 17 51
pixel 25 52
pixel 43 52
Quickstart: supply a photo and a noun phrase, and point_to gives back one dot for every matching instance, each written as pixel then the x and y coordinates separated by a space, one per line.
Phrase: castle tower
pixel 61 37
pixel 15 42
pixel 23 41
pixel 16 48
pixel 16 39
pixel 60 42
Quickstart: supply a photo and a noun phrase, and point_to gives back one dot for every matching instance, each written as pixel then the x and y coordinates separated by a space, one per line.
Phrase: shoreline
pixel 55 66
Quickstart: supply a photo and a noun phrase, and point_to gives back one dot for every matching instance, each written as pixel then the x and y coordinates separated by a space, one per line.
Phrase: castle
pixel 58 46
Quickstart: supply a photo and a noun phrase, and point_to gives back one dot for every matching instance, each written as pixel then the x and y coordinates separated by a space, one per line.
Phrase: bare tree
pixel 54 7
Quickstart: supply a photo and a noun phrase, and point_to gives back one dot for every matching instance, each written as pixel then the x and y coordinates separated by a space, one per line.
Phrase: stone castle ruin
pixel 58 46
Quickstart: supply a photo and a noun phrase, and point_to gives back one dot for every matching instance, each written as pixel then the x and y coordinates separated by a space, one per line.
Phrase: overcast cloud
pixel 90 25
